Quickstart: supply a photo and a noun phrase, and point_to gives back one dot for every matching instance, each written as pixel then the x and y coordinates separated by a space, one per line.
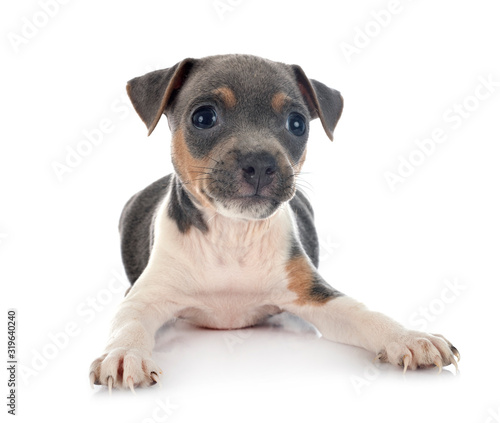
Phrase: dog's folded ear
pixel 152 93
pixel 323 102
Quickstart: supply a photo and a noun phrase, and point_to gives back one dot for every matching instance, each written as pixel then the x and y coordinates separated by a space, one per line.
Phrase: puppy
pixel 228 239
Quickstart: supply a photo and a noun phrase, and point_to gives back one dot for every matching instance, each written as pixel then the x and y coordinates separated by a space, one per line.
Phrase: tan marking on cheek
pixel 278 101
pixel 227 95
pixel 191 171
pixel 298 167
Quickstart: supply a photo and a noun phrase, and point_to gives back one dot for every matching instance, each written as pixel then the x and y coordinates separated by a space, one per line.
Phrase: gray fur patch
pixel 136 226
pixel 321 291
pixel 307 231
pixel 182 210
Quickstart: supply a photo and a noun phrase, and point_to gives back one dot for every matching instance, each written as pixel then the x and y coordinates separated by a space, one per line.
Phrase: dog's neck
pixel 236 232
pixel 189 215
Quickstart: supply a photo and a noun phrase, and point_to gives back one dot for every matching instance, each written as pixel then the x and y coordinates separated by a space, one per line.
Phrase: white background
pixel 393 250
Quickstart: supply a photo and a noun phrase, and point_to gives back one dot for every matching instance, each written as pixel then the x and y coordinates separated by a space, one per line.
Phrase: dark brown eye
pixel 204 117
pixel 296 124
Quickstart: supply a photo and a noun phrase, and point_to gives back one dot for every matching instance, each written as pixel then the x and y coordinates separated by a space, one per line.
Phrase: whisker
pixel 210 218
pixel 201 172
pixel 201 179
pixel 203 167
pixel 303 181
pixel 211 158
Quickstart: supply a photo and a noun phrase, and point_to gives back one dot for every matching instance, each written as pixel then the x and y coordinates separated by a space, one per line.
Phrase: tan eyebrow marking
pixel 279 100
pixel 227 95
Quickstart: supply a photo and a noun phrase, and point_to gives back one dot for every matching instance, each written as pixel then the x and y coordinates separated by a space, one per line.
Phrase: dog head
pixel 239 127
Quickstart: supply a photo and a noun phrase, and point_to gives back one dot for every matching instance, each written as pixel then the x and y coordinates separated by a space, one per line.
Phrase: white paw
pixel 124 368
pixel 413 350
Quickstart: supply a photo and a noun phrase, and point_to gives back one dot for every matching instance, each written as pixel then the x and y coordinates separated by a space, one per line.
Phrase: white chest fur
pixel 229 277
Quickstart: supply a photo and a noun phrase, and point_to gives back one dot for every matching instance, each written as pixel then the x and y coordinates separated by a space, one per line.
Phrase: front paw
pixel 124 368
pixel 414 350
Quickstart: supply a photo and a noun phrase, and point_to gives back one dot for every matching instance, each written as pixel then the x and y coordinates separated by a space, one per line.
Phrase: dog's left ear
pixel 323 102
pixel 152 93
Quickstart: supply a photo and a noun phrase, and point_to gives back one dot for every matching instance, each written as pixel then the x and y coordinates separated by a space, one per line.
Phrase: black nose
pixel 258 169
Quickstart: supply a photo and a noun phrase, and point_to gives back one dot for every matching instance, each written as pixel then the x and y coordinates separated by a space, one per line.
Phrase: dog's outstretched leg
pixel 342 319
pixel 126 362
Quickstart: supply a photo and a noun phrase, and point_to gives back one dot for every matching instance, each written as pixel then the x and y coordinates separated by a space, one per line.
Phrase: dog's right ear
pixel 323 102
pixel 152 93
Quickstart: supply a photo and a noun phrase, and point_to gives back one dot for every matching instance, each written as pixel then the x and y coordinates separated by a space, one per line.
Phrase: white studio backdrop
pixel 406 199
